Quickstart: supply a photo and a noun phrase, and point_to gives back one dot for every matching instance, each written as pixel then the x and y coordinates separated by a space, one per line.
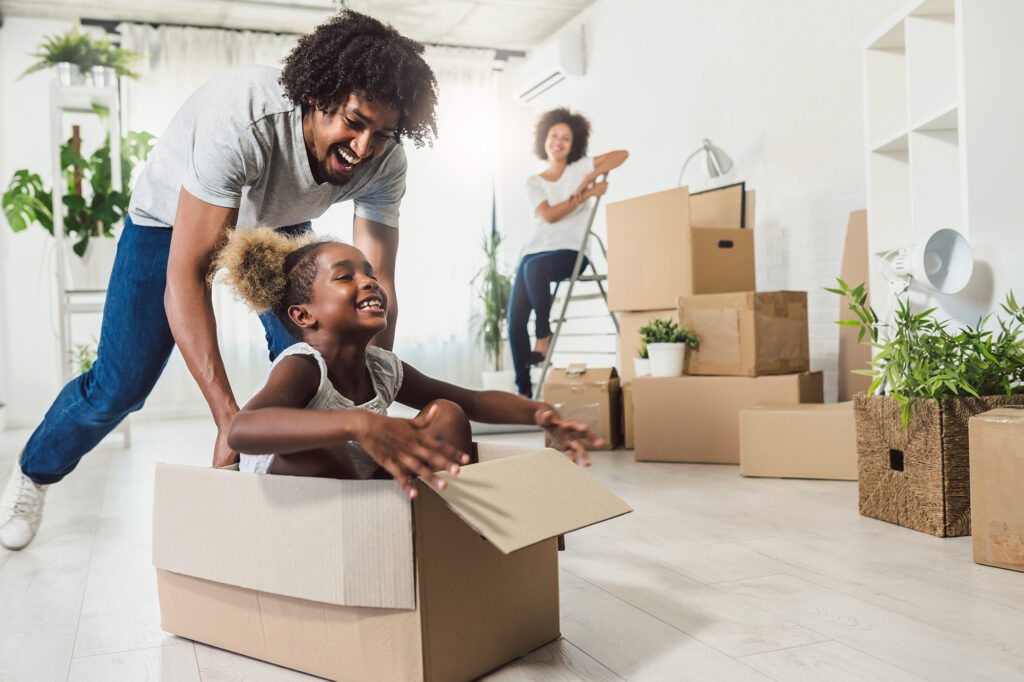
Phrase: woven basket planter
pixel 918 478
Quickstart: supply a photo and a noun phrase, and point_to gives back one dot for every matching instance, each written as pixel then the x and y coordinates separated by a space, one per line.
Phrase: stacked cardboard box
pixel 350 580
pixel 997 477
pixel 590 395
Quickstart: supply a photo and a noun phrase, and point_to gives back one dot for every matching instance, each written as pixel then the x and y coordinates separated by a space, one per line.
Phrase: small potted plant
pixel 928 381
pixel 495 288
pixel 642 361
pixel 667 344
pixel 104 62
pixel 67 52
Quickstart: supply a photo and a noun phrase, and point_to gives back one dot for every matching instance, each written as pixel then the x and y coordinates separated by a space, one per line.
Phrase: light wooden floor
pixel 713 577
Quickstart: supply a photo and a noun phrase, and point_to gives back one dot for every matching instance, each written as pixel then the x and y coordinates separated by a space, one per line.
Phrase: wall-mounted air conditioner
pixel 552 63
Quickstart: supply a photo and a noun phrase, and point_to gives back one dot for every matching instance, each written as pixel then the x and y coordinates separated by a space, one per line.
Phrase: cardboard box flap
pixel 518 501
pixel 1002 415
pixel 277 533
pixel 580 375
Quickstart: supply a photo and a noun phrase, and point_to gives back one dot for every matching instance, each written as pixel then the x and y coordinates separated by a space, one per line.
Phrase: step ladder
pixel 571 295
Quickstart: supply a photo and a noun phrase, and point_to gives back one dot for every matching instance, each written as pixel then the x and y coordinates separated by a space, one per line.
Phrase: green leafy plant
pixel 73 46
pixel 83 50
pixel 642 352
pixel 667 331
pixel 27 201
pixel 102 52
pixel 918 357
pixel 494 290
pixel 82 356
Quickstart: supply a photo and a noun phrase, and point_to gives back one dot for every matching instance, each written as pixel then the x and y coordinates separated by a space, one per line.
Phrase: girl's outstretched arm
pixel 498 407
pixel 275 422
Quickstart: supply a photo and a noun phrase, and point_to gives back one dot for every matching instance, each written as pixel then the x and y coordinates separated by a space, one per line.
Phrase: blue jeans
pixel 135 343
pixel 532 291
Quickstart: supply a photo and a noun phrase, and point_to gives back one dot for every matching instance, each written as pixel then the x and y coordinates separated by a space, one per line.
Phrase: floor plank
pixel 173 663
pixel 826 662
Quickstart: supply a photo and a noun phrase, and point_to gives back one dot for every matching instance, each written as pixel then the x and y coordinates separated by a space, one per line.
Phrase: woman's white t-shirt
pixel 386 374
pixel 566 233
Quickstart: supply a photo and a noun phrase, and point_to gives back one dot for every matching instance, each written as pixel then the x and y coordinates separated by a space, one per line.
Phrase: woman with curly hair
pixel 255 145
pixel 323 409
pixel 559 203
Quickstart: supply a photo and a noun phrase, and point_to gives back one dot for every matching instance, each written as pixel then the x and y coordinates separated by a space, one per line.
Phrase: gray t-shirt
pixel 237 142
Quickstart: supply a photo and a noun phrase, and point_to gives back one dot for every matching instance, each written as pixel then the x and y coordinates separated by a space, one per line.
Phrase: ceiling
pixel 501 24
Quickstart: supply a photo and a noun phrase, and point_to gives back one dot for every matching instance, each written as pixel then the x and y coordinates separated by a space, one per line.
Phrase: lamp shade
pixel 943 262
pixel 718 161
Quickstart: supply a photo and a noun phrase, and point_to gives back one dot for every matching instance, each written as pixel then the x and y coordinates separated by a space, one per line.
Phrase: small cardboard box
pixel 656 253
pixel 590 395
pixel 627 415
pixel 748 333
pixel 350 580
pixel 696 418
pixel 629 336
pixel 799 441
pixel 852 353
pixel 997 479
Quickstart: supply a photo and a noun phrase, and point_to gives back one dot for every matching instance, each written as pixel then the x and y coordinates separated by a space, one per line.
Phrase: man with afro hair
pixel 254 146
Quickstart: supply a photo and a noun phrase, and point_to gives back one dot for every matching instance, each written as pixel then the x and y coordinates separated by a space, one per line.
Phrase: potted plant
pixel 494 290
pixel 90 214
pixel 928 381
pixel 642 361
pixel 104 62
pixel 667 344
pixel 67 52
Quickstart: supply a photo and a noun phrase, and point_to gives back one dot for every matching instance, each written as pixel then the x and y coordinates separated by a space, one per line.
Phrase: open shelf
pixel 935 181
pixel 931 63
pixel 886 71
pixel 945 118
pixel 897 143
pixel 889 205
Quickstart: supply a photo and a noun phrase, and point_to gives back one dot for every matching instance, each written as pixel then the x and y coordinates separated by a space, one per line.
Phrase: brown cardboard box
pixel 627 415
pixel 590 395
pixel 696 418
pixel 656 253
pixel 350 580
pixel 997 478
pixel 853 354
pixel 748 333
pixel 629 336
pixel 799 441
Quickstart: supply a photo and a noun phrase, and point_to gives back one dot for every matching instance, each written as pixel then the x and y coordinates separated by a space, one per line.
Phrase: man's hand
pixel 568 435
pixel 406 449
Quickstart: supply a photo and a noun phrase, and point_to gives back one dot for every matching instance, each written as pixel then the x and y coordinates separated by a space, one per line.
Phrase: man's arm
pixel 199 228
pixel 380 244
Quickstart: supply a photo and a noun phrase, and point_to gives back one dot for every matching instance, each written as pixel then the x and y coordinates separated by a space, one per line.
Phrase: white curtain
pixel 445 213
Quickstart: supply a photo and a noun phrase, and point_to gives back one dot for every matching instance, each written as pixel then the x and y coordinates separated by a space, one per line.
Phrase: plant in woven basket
pixel 918 357
pixel 667 331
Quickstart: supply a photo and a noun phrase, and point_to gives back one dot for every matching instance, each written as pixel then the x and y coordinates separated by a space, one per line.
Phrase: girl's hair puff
pixel 270 270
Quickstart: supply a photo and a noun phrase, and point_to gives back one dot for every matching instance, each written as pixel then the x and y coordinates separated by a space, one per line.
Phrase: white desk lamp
pixel 717 161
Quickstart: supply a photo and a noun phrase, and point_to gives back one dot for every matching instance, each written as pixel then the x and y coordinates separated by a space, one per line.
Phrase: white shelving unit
pixel 78 99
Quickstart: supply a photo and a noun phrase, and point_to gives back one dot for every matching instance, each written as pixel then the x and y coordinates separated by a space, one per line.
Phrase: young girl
pixel 322 410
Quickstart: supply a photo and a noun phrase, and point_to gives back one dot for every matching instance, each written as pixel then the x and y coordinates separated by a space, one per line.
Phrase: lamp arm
pixel 699 149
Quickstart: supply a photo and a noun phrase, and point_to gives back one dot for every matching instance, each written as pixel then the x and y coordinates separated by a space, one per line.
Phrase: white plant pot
pixel 103 76
pixel 91 271
pixel 641 367
pixel 68 73
pixel 502 380
pixel 666 359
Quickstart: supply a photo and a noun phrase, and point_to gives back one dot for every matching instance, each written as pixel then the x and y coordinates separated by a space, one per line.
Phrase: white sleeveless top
pixel 386 374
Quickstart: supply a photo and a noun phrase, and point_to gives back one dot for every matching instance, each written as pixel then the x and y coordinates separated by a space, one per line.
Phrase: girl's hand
pixel 568 435
pixel 598 189
pixel 405 449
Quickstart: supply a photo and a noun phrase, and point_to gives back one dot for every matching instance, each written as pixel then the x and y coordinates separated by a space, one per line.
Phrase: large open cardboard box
pixel 591 395
pixel 799 441
pixel 997 479
pixel 696 418
pixel 747 333
pixel 656 252
pixel 350 580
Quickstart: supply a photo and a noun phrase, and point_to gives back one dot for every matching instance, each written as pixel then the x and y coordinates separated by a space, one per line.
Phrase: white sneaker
pixel 21 510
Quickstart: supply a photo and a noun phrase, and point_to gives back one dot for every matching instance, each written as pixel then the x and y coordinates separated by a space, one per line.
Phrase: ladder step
pixel 587 334
pixel 581 297
pixel 592 278
pixel 560 351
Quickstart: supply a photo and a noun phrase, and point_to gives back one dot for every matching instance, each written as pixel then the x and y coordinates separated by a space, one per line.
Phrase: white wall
pixel 776 84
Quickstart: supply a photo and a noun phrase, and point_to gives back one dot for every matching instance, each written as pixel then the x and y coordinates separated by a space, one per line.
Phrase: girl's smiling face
pixel 346 298
pixel 558 143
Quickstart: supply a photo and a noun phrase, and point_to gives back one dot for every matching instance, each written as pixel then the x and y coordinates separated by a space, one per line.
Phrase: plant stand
pixel 72 301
